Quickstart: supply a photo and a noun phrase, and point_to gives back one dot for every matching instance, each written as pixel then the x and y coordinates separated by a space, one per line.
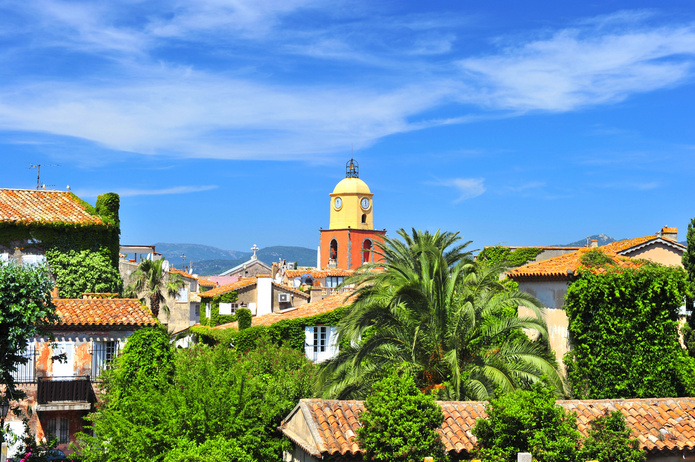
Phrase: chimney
pixel 594 243
pixel 669 233
pixel 55 292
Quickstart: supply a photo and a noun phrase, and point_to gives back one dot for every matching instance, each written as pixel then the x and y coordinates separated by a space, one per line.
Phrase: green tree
pixel 626 321
pixel 26 309
pixel 151 279
pixel 527 421
pixel 447 316
pixel 689 265
pixel 399 422
pixel 210 404
pixel 610 439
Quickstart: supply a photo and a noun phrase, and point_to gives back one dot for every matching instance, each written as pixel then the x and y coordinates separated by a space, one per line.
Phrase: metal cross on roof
pixel 254 248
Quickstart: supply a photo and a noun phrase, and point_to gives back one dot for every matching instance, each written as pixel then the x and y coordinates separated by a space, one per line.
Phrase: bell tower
pixel 350 239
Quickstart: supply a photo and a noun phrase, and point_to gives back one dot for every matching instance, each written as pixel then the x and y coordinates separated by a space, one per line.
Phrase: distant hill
pixel 197 252
pixel 208 260
pixel 601 238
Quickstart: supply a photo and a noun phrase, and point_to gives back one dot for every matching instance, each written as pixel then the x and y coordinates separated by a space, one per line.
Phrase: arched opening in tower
pixel 333 254
pixel 366 250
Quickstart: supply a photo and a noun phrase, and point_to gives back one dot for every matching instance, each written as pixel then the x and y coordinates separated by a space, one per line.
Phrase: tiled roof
pixel 318 274
pixel 206 283
pixel 661 425
pixel 103 312
pixel 182 273
pixel 623 247
pixel 240 284
pixel 542 247
pixel 563 266
pixel 29 206
pixel 326 305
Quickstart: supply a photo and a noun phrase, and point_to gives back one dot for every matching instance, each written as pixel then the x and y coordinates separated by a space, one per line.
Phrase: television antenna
pixel 38 173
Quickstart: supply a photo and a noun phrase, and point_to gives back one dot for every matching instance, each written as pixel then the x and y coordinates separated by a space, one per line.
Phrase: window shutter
pixel 332 342
pixel 309 343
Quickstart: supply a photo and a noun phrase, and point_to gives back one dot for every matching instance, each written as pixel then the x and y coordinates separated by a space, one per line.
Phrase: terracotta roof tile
pixel 655 430
pixel 326 305
pixel 318 274
pixel 207 283
pixel 29 206
pixel 563 266
pixel 103 312
pixel 240 284
pixel 182 273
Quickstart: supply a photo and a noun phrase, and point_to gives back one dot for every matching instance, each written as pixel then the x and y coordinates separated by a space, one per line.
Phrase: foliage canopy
pixel 203 403
pixel 26 308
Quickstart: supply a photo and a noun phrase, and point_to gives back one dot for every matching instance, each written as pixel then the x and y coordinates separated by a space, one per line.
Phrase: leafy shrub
pixel 610 439
pixel 243 316
pixel 527 421
pixel 399 422
pixel 81 271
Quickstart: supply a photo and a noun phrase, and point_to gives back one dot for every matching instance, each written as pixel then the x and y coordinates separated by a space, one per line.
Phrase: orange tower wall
pixel 350 242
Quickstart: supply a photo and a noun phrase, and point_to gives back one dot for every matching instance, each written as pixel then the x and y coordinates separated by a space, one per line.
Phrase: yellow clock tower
pixel 350 239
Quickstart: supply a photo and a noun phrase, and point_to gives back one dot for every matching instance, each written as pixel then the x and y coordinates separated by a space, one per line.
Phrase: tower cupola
pixel 351 201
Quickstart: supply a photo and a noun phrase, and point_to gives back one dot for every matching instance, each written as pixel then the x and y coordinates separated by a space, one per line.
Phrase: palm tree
pixel 447 317
pixel 150 278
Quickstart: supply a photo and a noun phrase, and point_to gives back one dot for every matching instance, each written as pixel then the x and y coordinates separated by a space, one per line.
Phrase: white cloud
pixel 579 67
pixel 467 188
pixel 130 192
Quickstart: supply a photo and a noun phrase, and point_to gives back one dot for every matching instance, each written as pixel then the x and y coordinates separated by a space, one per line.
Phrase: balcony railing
pixel 65 389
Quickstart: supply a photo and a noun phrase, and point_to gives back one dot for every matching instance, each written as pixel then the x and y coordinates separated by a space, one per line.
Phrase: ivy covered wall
pixel 216 318
pixel 82 257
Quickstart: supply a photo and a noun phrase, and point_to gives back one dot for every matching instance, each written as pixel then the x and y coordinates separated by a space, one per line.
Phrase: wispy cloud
pixel 149 100
pixel 583 66
pixel 467 188
pixel 130 192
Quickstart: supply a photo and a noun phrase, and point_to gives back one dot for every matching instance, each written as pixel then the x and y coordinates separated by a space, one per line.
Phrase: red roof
pixel 325 305
pixel 240 284
pixel 660 424
pixel 29 206
pixel 319 274
pixel 103 312
pixel 564 266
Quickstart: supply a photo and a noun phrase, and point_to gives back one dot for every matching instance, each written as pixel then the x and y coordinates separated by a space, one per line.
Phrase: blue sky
pixel 228 123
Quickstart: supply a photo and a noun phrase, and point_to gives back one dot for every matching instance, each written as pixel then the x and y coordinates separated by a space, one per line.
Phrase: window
pixel 58 427
pixel 197 309
pixel 320 344
pixel 208 310
pixel 64 369
pixel 334 281
pixel 182 296
pixel 103 353
pixel 26 372
pixel 228 308
pixel 320 338
pixel 364 218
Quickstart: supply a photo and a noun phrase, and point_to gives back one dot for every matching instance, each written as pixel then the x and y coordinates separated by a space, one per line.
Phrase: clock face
pixel 364 203
pixel 338 202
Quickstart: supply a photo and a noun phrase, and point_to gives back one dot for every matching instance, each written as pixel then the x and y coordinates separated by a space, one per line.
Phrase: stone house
pixel 548 279
pixel 321 283
pixel 90 334
pixel 260 294
pixel 326 429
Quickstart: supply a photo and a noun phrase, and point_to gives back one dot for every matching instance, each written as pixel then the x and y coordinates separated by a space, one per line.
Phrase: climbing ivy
pixel 216 318
pixel 77 272
pixel 625 322
pixel 500 255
